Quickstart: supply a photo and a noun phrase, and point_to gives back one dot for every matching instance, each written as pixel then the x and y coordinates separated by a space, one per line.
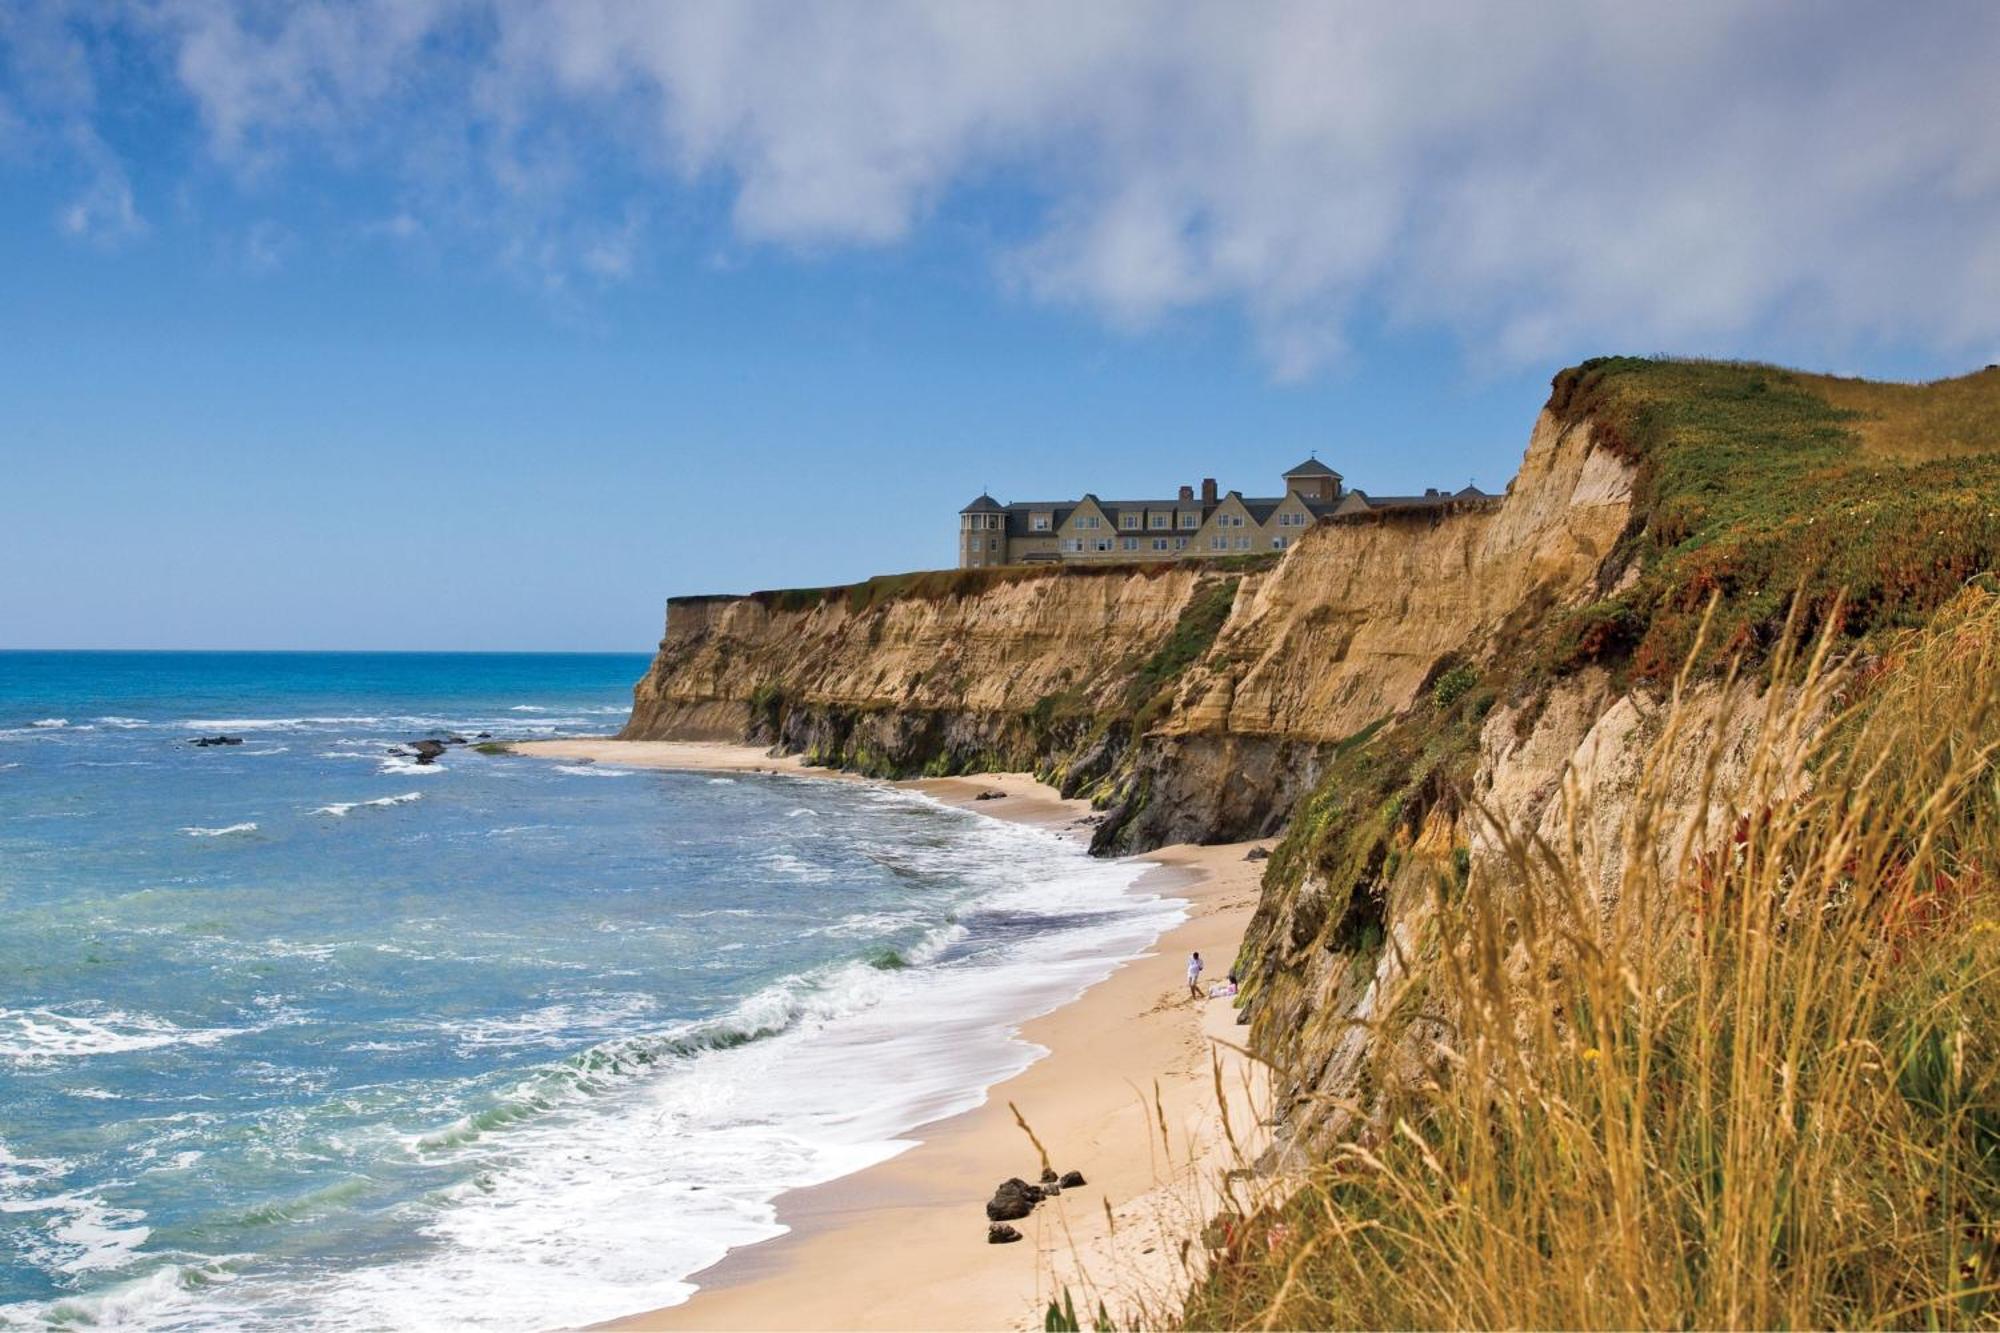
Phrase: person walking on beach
pixel 1194 974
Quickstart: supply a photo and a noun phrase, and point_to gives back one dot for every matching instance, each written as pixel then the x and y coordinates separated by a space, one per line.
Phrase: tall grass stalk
pixel 1751 1079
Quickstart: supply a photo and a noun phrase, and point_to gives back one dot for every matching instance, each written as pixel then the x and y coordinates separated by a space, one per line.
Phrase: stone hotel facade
pixel 1190 525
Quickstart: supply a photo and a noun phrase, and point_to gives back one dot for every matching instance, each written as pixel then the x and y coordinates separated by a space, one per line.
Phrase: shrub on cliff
pixel 1757 483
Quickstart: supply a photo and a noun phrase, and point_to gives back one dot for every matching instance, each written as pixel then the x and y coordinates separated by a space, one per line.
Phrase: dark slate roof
pixel 1312 467
pixel 1432 499
pixel 985 504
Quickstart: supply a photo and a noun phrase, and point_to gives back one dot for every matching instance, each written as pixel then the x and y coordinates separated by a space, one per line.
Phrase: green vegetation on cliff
pixel 1757 483
pixel 1868 501
pixel 1784 1112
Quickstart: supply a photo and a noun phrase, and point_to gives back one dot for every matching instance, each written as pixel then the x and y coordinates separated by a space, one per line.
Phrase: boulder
pixel 999 1233
pixel 990 796
pixel 1014 1198
pixel 1049 1176
pixel 426 751
pixel 1257 854
pixel 1072 1180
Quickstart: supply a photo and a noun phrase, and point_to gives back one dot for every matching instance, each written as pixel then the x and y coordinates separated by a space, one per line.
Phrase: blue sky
pixel 479 324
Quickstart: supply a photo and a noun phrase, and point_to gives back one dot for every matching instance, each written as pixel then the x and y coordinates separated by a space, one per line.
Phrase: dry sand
pixel 1127 1094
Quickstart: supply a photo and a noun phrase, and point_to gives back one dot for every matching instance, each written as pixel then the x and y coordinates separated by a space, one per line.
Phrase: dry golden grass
pixel 1919 422
pixel 1760 1088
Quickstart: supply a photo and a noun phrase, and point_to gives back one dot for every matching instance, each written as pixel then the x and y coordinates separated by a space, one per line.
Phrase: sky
pixel 487 324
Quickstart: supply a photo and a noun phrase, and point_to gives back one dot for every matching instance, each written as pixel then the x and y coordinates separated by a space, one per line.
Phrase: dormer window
pixel 1161 520
pixel 1040 522
pixel 1128 520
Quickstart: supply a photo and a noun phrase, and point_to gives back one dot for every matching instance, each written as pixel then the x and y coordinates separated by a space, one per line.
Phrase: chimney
pixel 1430 492
pixel 1187 494
pixel 1208 490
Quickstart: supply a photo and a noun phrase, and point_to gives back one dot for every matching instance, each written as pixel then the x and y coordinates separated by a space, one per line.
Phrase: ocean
pixel 300 1033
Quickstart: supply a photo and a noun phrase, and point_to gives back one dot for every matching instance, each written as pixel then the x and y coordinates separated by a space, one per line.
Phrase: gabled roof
pixel 985 504
pixel 1470 493
pixel 1312 467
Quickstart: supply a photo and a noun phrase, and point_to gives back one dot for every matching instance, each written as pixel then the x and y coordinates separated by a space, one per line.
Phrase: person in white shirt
pixel 1194 974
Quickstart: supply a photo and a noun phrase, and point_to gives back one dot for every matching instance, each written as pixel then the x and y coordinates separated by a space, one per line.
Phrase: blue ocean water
pixel 300 1033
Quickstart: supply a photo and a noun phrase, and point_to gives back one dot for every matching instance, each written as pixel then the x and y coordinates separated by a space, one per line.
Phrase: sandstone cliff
pixel 1402 696
pixel 1195 701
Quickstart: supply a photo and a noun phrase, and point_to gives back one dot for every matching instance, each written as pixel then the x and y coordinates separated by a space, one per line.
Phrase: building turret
pixel 982 533
pixel 1313 480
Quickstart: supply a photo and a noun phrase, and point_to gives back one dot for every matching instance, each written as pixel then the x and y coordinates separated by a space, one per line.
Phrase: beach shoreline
pixel 1126 1092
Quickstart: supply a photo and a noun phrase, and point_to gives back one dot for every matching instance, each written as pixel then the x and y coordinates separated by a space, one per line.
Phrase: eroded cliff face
pixel 1193 702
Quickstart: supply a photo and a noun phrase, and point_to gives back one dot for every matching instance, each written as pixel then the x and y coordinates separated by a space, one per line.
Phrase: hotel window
pixel 1041 523
pixel 1277 543
pixel 1129 543
pixel 1072 543
pixel 1242 543
pixel 1161 520
pixel 992 543
pixel 1180 543
pixel 1159 543
pixel 1128 520
pixel 1103 543
pixel 1218 543
pixel 1190 520
pixel 1089 521
pixel 1291 520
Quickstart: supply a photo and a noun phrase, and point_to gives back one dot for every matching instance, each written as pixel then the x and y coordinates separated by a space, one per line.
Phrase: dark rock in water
pixel 1015 1198
pixel 990 796
pixel 1049 1176
pixel 1072 1180
pixel 484 736
pixel 206 741
pixel 426 751
pixel 999 1233
pixel 454 740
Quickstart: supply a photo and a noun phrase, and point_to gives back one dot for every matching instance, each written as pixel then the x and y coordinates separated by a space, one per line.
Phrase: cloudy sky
pixel 485 323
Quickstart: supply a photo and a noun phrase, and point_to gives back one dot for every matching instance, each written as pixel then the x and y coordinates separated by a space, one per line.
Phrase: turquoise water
pixel 300 1033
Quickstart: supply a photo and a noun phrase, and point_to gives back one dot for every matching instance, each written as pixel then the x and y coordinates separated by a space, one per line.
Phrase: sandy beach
pixel 1127 1094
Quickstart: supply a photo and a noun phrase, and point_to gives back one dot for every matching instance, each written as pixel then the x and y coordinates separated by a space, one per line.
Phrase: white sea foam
pixel 35 1036
pixel 194 831
pixel 268 749
pixel 527 708
pixel 594 771
pixel 125 723
pixel 50 723
pixel 340 809
pixel 397 765
pixel 722 782
pixel 604 1182
pixel 555 1026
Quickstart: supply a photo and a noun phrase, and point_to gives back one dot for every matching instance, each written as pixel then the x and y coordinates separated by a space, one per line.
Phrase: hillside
pixel 1521 757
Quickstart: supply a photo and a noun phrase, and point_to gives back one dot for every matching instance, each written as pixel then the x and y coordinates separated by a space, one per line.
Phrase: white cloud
pixel 102 212
pixel 1704 175
pixel 264 246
